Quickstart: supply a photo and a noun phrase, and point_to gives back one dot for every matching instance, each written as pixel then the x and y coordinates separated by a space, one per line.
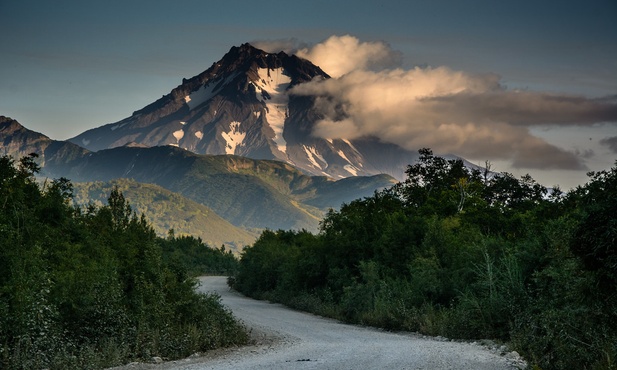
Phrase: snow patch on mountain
pixel 206 92
pixel 178 134
pixel 350 145
pixel 355 150
pixel 199 134
pixel 234 138
pixel 342 155
pixel 351 169
pixel 313 155
pixel 200 96
pixel 273 84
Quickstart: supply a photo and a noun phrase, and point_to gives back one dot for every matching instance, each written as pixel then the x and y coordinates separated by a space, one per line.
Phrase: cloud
pixel 288 45
pixel 339 55
pixel 450 111
pixel 611 143
pixel 525 108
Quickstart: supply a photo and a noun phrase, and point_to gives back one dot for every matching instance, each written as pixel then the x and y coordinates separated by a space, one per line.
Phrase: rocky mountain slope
pixel 18 141
pixel 243 105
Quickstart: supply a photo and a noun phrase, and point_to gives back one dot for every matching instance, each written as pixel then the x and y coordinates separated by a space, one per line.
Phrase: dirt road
pixel 288 339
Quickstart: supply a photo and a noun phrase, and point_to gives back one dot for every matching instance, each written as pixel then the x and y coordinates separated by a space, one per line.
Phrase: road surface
pixel 288 339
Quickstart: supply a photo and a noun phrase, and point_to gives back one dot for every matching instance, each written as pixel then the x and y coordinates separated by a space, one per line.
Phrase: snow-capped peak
pixel 241 105
pixel 272 91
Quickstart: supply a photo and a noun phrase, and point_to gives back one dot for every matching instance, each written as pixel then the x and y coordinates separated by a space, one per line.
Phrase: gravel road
pixel 288 339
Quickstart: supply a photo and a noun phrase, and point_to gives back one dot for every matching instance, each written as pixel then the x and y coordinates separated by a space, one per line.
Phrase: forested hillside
pixel 94 287
pixel 168 210
pixel 463 254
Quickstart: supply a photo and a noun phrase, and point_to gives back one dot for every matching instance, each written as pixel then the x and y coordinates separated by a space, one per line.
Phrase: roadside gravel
pixel 288 339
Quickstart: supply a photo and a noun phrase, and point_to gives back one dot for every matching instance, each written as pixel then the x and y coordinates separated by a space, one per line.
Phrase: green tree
pixel 595 241
pixel 87 289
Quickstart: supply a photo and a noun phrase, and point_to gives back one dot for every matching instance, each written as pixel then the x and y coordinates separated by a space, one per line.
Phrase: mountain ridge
pixel 242 105
pixel 249 193
pixel 255 186
pixel 18 141
pixel 167 210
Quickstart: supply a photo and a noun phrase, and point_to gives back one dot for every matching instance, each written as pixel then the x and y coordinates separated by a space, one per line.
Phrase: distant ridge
pixel 18 141
pixel 248 193
pixel 168 210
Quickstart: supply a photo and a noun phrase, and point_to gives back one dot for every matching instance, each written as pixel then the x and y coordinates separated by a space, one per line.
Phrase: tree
pixel 91 289
pixel 121 211
pixel 595 240
pixel 435 185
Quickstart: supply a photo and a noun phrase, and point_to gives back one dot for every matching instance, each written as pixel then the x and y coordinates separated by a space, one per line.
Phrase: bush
pixel 454 253
pixel 87 289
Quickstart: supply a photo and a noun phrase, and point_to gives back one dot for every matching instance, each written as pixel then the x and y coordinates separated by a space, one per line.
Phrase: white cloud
pixel 474 116
pixel 339 55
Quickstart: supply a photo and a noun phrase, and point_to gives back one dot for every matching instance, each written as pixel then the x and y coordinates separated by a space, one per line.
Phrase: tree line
pixel 93 287
pixel 462 253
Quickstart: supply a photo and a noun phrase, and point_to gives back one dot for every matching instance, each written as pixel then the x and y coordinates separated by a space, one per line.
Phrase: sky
pixel 530 86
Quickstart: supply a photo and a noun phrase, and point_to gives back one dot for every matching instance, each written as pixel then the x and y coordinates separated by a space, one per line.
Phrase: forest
pixel 460 253
pixel 451 251
pixel 94 287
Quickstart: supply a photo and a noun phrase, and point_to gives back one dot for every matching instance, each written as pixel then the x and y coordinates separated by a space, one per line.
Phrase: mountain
pixel 248 193
pixel 242 106
pixel 18 141
pixel 168 210
pixel 253 194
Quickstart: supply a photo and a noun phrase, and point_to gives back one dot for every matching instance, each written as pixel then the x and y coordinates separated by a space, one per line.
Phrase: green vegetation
pixel 196 257
pixel 95 287
pixel 168 210
pixel 463 254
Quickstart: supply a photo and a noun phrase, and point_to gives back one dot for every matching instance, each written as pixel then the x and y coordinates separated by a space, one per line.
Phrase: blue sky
pixel 68 66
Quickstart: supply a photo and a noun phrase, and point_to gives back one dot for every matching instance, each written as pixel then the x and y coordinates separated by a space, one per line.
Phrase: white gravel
pixel 288 339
